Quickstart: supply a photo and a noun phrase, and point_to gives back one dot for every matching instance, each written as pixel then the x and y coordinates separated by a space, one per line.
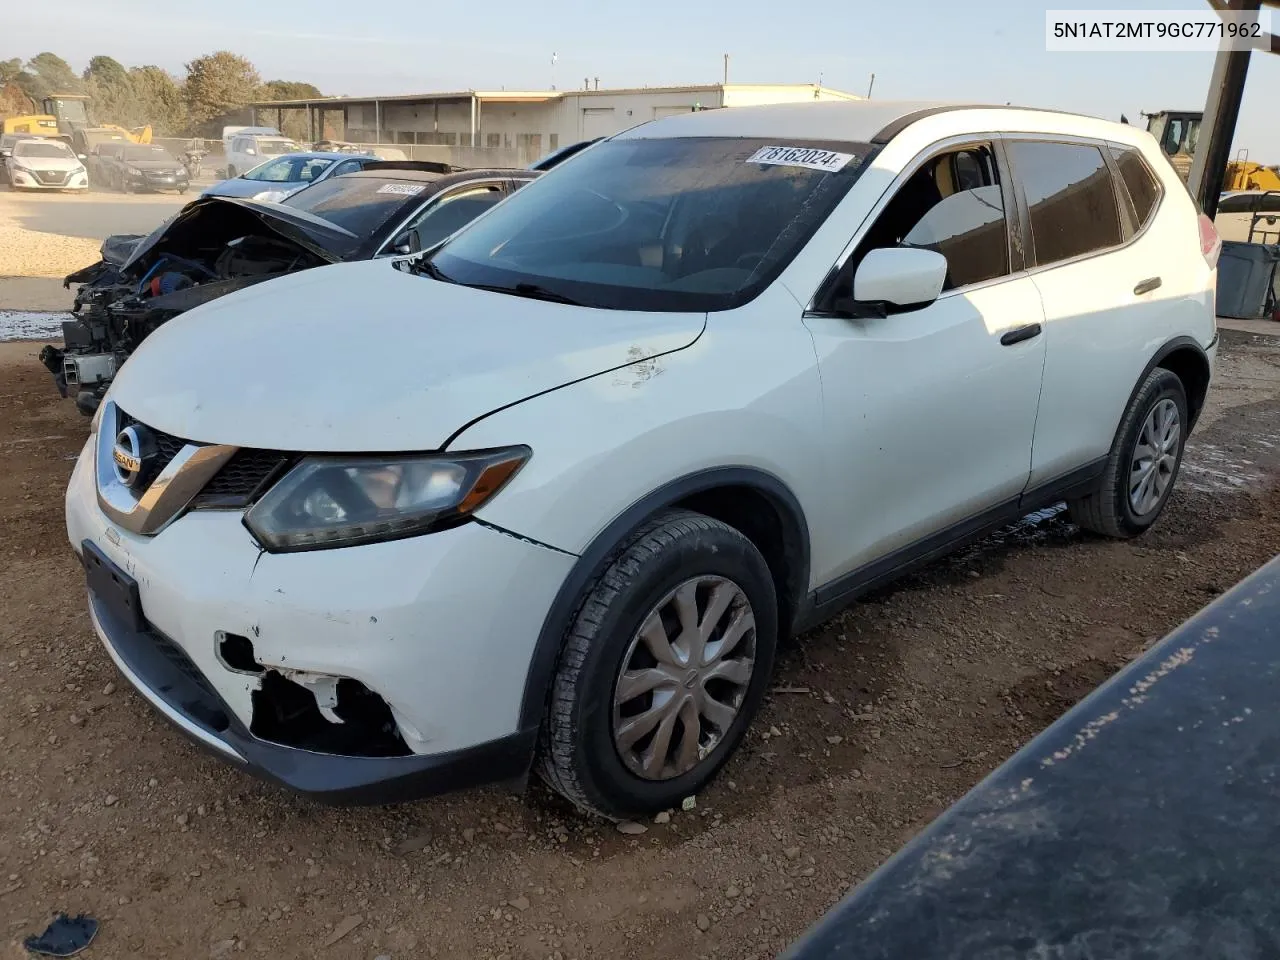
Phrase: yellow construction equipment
pixel 71 115
pixel 1178 131
pixel 38 125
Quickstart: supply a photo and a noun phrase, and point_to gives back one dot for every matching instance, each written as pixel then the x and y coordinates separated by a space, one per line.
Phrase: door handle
pixel 1018 334
pixel 1146 286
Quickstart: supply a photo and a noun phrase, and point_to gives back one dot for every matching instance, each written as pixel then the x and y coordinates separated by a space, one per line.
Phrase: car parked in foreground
pixel 550 493
pixel 216 245
pixel 276 179
pixel 136 167
pixel 44 164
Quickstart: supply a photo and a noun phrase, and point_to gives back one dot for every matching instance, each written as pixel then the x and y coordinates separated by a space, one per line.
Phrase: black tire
pixel 1108 510
pixel 577 755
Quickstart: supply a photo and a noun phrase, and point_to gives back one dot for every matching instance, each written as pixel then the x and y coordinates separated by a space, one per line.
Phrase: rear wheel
pixel 1143 463
pixel 663 668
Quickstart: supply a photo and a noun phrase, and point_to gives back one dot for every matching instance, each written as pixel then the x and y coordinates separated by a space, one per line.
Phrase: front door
pixel 931 412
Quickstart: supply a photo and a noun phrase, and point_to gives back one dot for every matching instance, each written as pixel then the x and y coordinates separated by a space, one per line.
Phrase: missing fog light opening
pixel 334 715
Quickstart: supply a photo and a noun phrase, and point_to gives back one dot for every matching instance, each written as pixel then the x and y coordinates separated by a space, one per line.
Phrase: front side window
pixel 1071 198
pixel 953 206
pixel 1139 181
pixel 659 224
pixel 452 212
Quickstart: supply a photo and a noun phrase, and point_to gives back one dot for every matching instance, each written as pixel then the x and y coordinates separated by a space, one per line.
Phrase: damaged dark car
pixel 218 245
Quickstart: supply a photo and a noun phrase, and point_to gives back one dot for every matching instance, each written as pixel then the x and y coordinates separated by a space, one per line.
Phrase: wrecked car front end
pixel 286 664
pixel 212 247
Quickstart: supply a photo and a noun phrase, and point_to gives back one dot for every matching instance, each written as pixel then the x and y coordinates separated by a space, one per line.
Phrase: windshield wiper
pixel 532 291
pixel 424 267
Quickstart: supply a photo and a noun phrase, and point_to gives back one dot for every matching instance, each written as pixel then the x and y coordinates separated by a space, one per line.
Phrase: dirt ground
pixel 877 722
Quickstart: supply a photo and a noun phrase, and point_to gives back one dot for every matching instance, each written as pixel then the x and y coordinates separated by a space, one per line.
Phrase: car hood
pixel 319 236
pixel 48 163
pixel 362 357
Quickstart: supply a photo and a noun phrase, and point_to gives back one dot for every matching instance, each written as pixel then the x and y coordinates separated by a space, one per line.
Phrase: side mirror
pixel 6 153
pixel 905 278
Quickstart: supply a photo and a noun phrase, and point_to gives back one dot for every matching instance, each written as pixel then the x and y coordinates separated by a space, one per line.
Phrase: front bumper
pixel 30 181
pixel 441 627
pixel 144 182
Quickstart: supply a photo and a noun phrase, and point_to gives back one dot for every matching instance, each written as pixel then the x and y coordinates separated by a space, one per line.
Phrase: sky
pixel 991 51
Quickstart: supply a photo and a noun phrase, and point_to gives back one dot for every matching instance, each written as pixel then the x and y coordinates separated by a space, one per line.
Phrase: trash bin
pixel 1247 280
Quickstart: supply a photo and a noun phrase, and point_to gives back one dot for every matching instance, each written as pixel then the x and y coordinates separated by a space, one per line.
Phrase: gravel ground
pixel 878 721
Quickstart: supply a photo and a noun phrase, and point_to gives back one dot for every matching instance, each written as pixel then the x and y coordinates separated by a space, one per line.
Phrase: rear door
pixel 1107 285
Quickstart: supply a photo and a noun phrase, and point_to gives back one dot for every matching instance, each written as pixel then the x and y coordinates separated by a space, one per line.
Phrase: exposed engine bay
pixel 212 247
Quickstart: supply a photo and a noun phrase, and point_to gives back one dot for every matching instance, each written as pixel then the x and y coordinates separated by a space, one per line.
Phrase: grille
pixel 51 178
pixel 236 484
pixel 242 478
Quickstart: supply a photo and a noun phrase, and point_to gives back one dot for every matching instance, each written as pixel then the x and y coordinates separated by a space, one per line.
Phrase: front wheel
pixel 663 668
pixel 1143 463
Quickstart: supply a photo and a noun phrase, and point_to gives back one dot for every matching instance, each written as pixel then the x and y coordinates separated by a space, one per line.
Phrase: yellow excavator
pixel 1177 132
pixel 67 115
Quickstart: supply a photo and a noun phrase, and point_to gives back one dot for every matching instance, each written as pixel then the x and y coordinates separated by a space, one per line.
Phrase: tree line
pixel 214 86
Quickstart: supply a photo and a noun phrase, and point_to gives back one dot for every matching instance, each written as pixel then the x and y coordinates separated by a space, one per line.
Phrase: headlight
pixel 341 501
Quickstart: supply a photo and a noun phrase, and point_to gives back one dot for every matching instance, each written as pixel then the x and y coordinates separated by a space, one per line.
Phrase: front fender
pixel 746 396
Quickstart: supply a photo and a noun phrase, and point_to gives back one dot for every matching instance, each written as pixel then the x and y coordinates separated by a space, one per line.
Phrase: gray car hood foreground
pixel 362 357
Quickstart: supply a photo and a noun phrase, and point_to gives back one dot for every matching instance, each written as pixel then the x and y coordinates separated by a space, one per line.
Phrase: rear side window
pixel 1143 187
pixel 1071 198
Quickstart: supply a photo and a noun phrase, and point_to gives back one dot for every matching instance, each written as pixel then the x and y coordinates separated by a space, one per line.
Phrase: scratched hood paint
pixel 365 357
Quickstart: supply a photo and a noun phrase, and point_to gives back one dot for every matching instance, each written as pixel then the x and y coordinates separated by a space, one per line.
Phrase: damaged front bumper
pixel 370 674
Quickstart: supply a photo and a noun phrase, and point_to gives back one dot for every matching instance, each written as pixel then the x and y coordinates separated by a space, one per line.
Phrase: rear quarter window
pixel 1140 183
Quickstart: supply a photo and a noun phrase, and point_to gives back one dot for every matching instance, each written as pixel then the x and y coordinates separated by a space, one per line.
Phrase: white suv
pixel 551 494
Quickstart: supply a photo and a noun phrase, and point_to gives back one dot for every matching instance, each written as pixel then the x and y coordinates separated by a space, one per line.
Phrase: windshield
pixel 273 148
pixel 141 153
pixel 664 224
pixel 360 204
pixel 48 149
pixel 289 170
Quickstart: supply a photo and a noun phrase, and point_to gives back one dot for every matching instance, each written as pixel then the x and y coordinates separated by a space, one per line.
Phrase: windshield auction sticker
pixel 810 157
pixel 404 189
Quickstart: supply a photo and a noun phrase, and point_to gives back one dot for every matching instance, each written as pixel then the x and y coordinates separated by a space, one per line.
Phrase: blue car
pixel 281 176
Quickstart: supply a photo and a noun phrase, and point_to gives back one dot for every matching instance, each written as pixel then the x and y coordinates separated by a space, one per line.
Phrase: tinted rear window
pixel 1071 198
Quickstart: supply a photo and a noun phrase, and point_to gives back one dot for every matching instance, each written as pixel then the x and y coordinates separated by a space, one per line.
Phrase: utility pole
pixel 726 69
pixel 871 85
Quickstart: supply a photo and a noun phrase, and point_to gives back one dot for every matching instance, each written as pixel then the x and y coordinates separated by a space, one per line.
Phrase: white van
pixel 247 150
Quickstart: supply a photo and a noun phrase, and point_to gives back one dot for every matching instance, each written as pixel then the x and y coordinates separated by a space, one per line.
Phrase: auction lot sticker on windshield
pixel 811 157
pixel 404 189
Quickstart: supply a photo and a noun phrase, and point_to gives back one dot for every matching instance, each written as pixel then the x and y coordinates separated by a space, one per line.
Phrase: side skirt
pixel 830 598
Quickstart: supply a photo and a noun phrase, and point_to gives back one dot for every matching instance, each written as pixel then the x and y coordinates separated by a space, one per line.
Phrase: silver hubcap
pixel 684 678
pixel 1154 458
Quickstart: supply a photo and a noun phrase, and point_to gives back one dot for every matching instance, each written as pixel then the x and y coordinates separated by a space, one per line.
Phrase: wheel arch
pixel 739 496
pixel 1184 357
